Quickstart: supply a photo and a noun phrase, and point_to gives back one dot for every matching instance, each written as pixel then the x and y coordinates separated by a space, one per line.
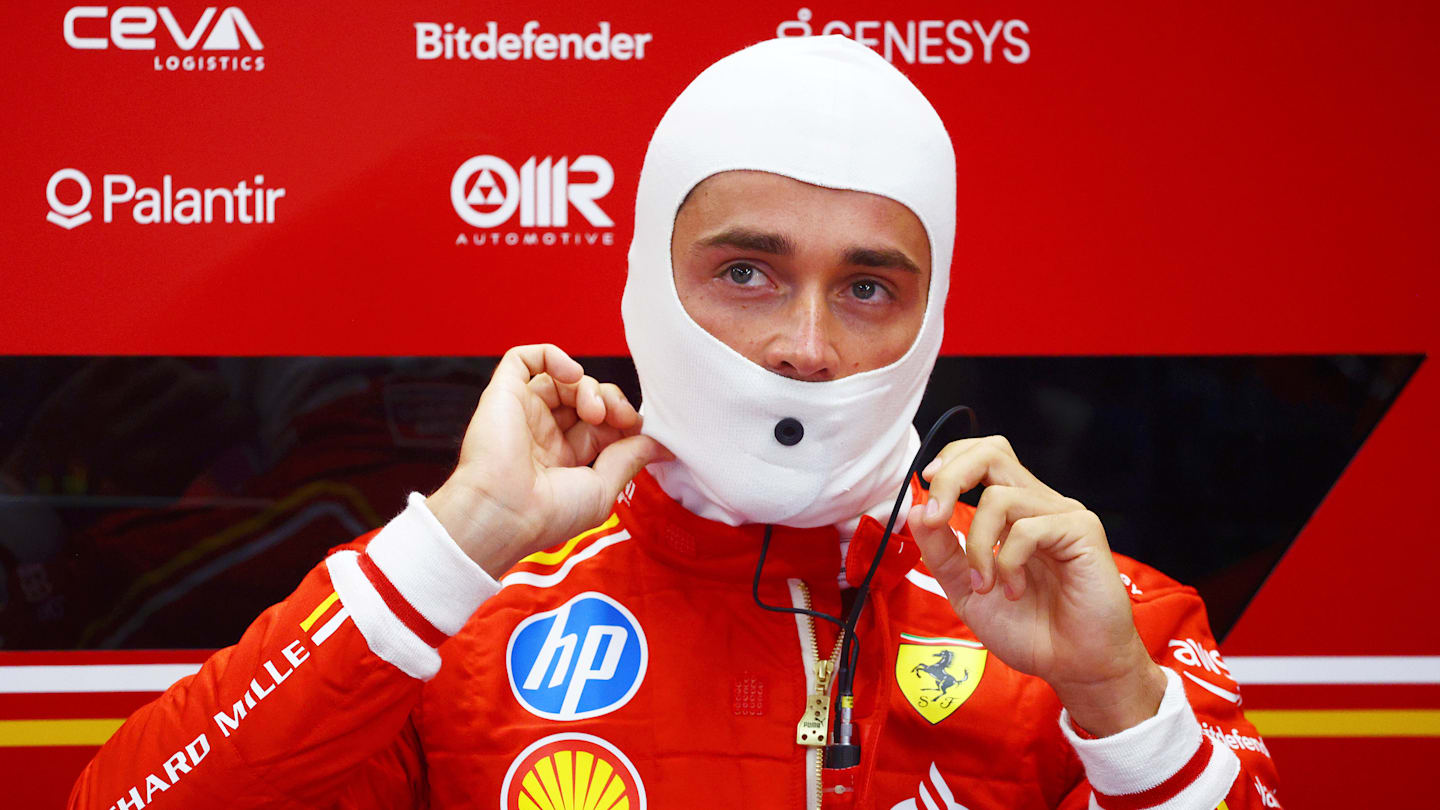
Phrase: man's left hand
pixel 1049 602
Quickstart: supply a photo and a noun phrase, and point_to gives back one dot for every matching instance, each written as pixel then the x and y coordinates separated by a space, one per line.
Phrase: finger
pixel 619 412
pixel 558 398
pixel 1026 535
pixel 523 362
pixel 947 453
pixel 588 402
pixel 943 555
pixel 561 394
pixel 1029 535
pixel 586 440
pixel 636 428
pixel 962 469
pixel 1000 506
pixel 565 418
pixel 547 390
pixel 563 401
pixel 621 461
pixel 971 462
pixel 996 442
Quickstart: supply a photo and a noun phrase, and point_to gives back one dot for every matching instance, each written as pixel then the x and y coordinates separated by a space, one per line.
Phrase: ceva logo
pixel 131 27
pixel 583 659
pixel 486 191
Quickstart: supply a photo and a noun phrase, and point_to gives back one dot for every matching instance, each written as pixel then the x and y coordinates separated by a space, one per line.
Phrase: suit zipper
pixel 813 728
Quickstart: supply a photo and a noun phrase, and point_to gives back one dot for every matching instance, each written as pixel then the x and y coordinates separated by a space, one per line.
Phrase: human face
pixel 809 282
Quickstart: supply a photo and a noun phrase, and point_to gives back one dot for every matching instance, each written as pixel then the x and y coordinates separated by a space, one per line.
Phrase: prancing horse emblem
pixel 938 674
pixel 940 671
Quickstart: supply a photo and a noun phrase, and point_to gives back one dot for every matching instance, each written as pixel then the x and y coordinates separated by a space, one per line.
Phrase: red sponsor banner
pixel 1157 179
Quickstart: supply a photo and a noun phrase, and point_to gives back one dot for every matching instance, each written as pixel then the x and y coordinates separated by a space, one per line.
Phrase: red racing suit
pixel 629 668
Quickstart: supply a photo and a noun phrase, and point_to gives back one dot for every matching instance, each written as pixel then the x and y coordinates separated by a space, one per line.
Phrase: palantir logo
pixel 583 659
pixel 167 202
pixel 75 214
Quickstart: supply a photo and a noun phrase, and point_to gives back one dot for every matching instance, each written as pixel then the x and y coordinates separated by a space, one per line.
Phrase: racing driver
pixel 705 608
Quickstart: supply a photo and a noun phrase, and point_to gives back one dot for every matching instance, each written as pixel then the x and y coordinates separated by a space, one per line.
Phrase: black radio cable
pixel 843 752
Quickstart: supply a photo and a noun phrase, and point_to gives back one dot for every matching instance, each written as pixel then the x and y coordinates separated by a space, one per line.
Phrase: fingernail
pixel 932 509
pixel 976 580
pixel 1009 592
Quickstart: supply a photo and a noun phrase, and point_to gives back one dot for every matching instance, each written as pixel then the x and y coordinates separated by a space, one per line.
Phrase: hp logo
pixel 583 659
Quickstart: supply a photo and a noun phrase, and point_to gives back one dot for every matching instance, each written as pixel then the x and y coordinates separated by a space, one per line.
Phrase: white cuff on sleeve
pixel 425 565
pixel 1145 756
pixel 386 635
pixel 416 556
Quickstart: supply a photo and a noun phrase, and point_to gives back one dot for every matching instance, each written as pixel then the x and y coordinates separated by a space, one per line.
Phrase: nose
pixel 804 348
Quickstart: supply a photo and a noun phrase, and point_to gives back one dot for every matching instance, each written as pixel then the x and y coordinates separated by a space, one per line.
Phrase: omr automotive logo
pixel 244 203
pixel 487 193
pixel 227 40
pixel 583 659
pixel 925 42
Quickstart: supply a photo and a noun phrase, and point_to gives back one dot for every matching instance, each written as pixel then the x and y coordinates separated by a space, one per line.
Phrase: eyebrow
pixel 746 239
pixel 777 244
pixel 880 257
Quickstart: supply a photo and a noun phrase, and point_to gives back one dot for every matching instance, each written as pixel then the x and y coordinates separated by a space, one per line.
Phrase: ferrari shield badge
pixel 938 674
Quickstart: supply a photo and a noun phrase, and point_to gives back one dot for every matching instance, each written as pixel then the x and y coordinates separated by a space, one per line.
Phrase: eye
pixel 741 274
pixel 864 290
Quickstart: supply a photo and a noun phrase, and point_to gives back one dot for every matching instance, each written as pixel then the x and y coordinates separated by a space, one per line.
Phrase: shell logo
pixel 572 772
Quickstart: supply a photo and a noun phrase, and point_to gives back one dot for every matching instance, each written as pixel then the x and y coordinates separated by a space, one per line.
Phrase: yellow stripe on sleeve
pixel 552 557
pixel 319 611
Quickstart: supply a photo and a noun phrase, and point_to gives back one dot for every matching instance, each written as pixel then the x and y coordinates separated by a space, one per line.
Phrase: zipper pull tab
pixel 812 730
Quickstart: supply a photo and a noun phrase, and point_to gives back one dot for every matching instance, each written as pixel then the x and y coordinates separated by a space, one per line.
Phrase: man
pixel 794 226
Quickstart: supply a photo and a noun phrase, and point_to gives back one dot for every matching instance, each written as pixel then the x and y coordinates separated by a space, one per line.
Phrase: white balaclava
pixel 830 112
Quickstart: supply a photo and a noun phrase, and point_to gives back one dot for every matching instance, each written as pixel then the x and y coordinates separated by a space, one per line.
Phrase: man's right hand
pixel 525 480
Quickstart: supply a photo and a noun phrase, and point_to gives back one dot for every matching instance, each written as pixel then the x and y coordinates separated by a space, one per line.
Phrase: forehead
pixel 767 201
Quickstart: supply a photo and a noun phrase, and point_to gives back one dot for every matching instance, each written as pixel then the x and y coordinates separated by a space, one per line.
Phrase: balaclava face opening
pixel 825 111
